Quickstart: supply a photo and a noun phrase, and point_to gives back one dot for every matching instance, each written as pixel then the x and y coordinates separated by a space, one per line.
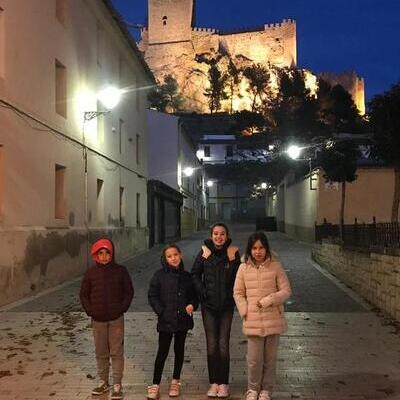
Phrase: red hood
pixel 102 244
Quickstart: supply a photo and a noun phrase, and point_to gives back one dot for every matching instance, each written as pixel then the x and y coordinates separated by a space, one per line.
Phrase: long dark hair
pixel 222 225
pixel 253 239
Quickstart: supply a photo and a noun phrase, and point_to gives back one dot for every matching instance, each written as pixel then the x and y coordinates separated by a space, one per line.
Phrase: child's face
pixel 173 257
pixel 103 256
pixel 219 236
pixel 258 252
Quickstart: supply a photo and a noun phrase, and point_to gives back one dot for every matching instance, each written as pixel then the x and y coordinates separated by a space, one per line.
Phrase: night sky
pixel 334 35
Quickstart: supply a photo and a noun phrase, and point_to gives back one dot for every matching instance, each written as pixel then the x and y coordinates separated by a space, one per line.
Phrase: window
pixel 122 206
pixel 207 151
pixel 229 151
pixel 121 136
pixel 100 201
pixel 60 10
pixel 59 209
pixel 61 89
pixel 2 42
pixel 164 20
pixel 137 149
pixel 138 210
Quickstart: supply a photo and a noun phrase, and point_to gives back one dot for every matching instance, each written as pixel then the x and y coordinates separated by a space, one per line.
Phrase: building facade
pixel 173 162
pixel 70 172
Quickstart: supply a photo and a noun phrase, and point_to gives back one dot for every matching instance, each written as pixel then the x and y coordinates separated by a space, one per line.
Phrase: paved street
pixel 335 348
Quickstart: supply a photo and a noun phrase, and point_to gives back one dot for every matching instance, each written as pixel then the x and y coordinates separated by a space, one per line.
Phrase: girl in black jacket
pixel 173 298
pixel 214 272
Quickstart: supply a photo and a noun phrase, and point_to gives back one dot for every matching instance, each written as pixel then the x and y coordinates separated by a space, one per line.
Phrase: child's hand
pixel 189 309
pixel 231 252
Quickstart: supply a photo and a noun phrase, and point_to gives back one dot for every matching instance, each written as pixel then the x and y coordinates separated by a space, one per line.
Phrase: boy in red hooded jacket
pixel 106 294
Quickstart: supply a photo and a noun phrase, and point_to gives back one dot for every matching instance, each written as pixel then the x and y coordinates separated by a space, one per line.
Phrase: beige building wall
pixel 370 195
pixel 300 209
pixel 53 64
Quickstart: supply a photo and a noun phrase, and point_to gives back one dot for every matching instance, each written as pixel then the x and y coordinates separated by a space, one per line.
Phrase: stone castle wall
pixel 170 45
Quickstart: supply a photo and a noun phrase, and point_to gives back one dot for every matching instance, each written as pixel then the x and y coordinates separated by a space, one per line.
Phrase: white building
pixel 65 181
pixel 173 161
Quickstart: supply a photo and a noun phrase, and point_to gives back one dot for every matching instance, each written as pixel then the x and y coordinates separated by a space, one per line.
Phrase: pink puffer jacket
pixel 268 284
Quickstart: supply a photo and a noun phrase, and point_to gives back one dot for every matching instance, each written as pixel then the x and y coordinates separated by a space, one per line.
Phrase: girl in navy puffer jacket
pixel 173 298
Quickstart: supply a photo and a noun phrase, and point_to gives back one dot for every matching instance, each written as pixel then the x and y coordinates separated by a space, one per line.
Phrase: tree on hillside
pixel 259 83
pixel 295 110
pixel 166 97
pixel 384 118
pixel 339 162
pixel 337 111
pixel 216 91
pixel 233 80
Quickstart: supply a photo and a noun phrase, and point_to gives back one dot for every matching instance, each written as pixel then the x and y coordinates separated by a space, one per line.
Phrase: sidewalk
pixel 335 349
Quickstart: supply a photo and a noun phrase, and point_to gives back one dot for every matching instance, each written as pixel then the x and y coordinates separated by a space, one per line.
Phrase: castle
pixel 172 44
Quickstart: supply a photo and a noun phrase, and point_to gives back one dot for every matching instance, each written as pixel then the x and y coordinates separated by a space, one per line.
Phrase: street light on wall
pixel 188 171
pixel 109 97
pixel 294 151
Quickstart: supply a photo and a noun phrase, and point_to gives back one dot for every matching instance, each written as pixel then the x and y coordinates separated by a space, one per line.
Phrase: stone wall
pixel 375 277
pixel 38 259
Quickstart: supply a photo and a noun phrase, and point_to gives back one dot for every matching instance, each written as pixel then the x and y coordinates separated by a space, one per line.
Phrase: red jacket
pixel 106 290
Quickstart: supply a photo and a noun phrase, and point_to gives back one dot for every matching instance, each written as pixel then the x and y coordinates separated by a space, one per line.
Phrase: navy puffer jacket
pixel 170 291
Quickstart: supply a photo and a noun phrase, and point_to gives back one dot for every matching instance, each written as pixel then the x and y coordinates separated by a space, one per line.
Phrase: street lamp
pixel 109 97
pixel 210 183
pixel 294 152
pixel 188 171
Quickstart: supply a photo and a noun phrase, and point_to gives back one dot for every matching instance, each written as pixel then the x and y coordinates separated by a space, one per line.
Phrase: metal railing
pixel 375 236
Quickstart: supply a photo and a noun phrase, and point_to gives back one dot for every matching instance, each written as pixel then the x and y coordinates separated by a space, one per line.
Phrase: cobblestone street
pixel 336 348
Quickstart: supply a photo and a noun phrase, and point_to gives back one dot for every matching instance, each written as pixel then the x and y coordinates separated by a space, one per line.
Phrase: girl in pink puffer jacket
pixel 261 288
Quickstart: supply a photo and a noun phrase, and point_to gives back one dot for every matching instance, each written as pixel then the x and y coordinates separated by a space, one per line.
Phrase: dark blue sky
pixel 334 35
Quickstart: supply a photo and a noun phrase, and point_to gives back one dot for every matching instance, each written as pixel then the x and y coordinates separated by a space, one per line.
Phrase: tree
pixel 216 91
pixel 233 80
pixel 259 83
pixel 337 111
pixel 166 97
pixel 295 110
pixel 339 161
pixel 384 118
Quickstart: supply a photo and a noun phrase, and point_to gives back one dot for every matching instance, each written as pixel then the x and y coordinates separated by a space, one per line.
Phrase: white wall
pixel 40 250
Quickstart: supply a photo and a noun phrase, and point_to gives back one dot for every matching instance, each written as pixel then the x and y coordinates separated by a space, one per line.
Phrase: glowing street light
pixel 188 171
pixel 110 96
pixel 294 151
pixel 264 185
pixel 210 183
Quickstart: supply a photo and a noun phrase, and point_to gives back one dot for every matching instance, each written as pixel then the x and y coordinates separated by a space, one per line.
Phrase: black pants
pixel 164 342
pixel 217 326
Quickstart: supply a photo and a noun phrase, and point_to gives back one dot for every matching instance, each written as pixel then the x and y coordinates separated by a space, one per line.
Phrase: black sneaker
pixel 117 393
pixel 104 387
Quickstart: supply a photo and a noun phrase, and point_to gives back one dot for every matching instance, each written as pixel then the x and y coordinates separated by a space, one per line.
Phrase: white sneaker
pixel 223 391
pixel 153 392
pixel 251 395
pixel 264 395
pixel 213 390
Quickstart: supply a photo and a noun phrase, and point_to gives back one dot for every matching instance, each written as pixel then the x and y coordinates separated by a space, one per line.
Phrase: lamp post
pixel 109 97
pixel 294 152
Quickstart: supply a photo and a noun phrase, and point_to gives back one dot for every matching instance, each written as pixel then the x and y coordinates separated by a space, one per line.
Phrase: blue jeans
pixel 217 326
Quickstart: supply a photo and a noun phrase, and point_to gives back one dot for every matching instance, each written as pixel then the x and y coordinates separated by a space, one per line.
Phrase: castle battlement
pixel 208 30
pixel 284 23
